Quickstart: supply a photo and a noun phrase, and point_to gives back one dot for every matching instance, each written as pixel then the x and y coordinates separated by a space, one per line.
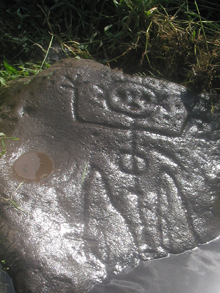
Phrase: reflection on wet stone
pixel 33 166
pixel 136 178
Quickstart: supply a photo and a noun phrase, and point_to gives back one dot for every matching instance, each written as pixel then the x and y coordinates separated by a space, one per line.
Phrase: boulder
pixel 6 285
pixel 109 169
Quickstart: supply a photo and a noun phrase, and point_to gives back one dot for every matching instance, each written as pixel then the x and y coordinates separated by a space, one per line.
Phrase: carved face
pixel 133 99
pixel 122 103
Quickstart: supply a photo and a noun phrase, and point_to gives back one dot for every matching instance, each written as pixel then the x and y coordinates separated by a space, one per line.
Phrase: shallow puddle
pixel 33 166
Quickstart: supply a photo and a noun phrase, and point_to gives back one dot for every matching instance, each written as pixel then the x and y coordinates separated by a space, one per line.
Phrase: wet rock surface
pixel 134 174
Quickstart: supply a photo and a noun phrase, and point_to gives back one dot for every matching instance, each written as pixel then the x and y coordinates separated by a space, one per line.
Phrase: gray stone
pixel 6 285
pixel 135 174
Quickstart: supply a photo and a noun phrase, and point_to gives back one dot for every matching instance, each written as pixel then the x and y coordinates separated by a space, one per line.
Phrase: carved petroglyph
pixel 147 209
pixel 144 178
pixel 103 221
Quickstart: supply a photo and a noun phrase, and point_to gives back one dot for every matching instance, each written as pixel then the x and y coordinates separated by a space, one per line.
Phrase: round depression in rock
pixel 33 166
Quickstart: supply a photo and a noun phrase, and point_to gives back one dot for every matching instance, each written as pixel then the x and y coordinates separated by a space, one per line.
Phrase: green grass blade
pixel 10 69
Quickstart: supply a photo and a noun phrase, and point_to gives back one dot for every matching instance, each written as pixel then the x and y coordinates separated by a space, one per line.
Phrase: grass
pixel 3 137
pixel 84 173
pixel 5 267
pixel 13 203
pixel 171 39
pixel 10 200
pixel 23 70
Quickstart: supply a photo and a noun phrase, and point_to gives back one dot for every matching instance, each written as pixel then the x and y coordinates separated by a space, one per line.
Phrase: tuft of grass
pixel 12 202
pixel 19 70
pixel 3 137
pixel 184 50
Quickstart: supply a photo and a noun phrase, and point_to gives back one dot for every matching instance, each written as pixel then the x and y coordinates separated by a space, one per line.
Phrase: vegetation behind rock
pixel 171 39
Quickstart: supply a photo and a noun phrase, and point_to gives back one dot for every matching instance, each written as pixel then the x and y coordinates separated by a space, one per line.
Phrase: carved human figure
pixel 138 175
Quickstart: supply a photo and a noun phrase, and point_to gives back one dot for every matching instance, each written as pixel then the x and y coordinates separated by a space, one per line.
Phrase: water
pixel 195 271
pixel 33 166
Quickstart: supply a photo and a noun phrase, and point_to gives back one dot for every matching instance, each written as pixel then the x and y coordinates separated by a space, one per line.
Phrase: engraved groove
pixel 117 202
pixel 184 205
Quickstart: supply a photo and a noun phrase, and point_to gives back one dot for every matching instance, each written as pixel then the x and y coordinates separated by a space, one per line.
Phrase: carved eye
pixel 119 96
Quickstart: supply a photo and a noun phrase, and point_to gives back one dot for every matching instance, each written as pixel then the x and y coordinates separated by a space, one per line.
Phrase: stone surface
pixel 6 285
pixel 136 174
